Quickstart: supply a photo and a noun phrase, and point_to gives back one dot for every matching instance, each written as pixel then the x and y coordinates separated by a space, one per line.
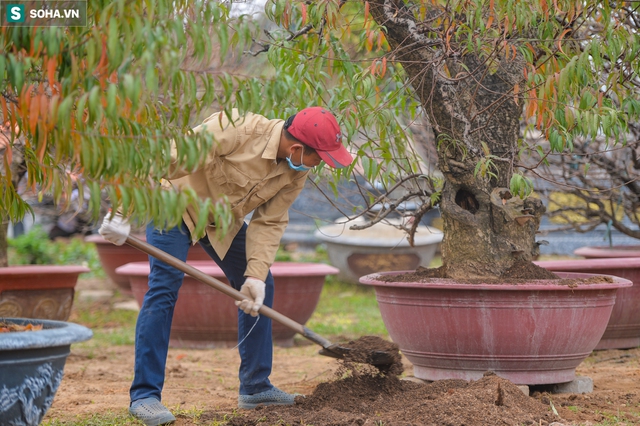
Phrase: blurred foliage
pixel 35 248
pixel 567 208
pixel 294 253
pixel 103 103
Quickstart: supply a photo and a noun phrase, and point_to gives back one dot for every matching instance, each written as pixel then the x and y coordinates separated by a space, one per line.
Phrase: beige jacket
pixel 242 166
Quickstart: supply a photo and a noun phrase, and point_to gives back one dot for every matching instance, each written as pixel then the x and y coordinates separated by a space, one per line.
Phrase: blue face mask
pixel 301 167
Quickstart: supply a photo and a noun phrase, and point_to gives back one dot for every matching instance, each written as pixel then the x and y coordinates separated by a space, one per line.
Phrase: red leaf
pixel 51 70
pixel 34 111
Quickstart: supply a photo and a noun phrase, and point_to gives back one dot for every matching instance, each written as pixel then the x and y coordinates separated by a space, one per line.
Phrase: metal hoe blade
pixel 377 358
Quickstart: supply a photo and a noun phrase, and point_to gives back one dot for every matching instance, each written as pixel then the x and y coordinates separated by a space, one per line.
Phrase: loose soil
pixel 520 273
pixel 202 387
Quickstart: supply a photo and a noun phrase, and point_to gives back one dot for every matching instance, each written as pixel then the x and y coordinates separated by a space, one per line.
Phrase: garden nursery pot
pixel 530 333
pixel 623 328
pixel 112 256
pixel 205 318
pixel 378 248
pixel 31 368
pixel 38 291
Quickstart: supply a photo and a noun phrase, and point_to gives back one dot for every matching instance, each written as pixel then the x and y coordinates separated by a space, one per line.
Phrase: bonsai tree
pixel 482 75
pixel 486 76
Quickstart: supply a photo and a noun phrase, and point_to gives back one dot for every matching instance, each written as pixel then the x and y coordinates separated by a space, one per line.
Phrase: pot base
pixel 520 370
pixel 622 343
pixel 563 376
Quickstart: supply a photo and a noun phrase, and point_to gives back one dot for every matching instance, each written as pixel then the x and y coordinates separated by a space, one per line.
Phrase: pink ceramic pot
pixel 112 256
pixel 623 329
pixel 532 333
pixel 205 318
pixel 38 291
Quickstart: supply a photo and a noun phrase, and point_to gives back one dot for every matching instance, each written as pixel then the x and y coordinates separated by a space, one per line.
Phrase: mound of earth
pixel 375 399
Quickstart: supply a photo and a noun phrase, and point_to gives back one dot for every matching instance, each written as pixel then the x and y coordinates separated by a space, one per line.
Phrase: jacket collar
pixel 271 150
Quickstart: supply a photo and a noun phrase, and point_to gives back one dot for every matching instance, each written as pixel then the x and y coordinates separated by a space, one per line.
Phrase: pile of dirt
pixel 372 350
pixel 364 393
pixel 364 397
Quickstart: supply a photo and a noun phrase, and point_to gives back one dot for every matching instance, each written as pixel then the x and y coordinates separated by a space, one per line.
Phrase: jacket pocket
pixel 228 178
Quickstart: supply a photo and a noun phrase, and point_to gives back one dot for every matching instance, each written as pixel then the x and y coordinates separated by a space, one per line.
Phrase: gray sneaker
pixel 270 397
pixel 151 412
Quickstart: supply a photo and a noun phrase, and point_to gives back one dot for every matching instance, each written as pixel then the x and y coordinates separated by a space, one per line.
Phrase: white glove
pixel 115 230
pixel 254 289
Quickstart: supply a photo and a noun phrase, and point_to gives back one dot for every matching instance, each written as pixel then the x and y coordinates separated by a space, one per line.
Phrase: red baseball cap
pixel 319 129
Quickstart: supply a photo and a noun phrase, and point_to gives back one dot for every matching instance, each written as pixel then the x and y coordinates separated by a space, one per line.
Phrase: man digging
pixel 260 165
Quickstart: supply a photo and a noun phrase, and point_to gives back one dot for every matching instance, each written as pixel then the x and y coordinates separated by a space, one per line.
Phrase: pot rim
pixel 99 239
pixel 209 267
pixel 54 333
pixel 338 234
pixel 537 285
pixel 43 269
pixel 608 251
pixel 575 265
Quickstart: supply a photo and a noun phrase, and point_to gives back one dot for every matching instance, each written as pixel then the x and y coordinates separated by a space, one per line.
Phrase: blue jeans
pixel 154 320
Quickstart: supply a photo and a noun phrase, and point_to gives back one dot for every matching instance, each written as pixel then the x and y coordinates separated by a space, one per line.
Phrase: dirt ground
pixel 205 382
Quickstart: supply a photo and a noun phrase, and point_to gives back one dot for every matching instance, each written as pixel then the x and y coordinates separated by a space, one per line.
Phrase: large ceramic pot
pixel 31 368
pixel 530 333
pixel 112 256
pixel 38 291
pixel 205 318
pixel 623 329
pixel 378 248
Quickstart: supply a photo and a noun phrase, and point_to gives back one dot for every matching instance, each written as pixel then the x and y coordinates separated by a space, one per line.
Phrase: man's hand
pixel 254 289
pixel 115 230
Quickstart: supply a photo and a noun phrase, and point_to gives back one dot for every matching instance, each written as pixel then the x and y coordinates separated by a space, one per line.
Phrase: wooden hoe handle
pixel 224 288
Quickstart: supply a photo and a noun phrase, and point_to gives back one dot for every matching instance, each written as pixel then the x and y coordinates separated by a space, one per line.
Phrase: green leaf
pixel 80 110
pixel 113 40
pixel 3 69
pixel 95 108
pixel 112 94
pixel 151 79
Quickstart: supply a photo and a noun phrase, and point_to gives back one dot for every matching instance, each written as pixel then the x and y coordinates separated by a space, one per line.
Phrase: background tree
pixel 102 103
pixel 596 185
pixel 473 70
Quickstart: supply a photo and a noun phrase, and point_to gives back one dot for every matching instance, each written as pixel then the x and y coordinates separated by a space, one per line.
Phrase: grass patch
pixel 107 419
pixel 347 310
pixel 110 326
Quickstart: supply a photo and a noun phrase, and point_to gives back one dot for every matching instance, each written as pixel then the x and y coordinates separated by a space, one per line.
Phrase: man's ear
pixel 295 147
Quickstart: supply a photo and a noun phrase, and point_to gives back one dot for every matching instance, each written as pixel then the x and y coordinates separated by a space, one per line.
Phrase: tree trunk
pixel 476 121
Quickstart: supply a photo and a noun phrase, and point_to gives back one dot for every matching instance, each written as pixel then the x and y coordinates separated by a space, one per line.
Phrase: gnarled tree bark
pixel 476 120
